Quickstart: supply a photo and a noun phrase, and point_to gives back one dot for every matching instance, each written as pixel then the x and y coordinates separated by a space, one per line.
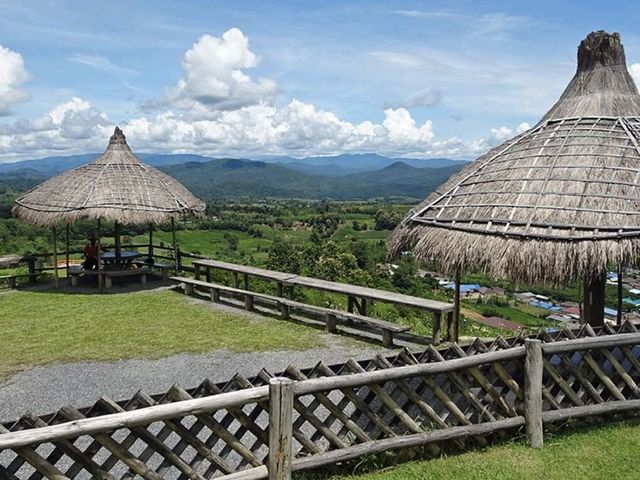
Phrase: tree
pixel 232 241
pixel 283 256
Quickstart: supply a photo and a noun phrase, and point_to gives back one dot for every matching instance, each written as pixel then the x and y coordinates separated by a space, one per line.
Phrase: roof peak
pixel 117 137
pixel 602 85
pixel 600 49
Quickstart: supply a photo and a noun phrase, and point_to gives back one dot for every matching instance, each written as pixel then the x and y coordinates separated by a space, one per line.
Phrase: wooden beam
pixel 175 246
pixel 280 427
pixel 142 416
pixel 56 281
pixel 594 299
pixel 99 245
pixel 456 308
pixel 533 368
pixel 620 294
pixel 66 249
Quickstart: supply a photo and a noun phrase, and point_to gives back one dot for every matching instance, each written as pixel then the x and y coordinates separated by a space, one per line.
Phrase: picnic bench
pixel 331 316
pixel 358 298
pixel 108 275
pixel 12 261
pixel 163 268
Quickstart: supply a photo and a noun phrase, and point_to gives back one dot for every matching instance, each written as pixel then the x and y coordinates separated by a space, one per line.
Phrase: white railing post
pixel 280 427
pixel 533 367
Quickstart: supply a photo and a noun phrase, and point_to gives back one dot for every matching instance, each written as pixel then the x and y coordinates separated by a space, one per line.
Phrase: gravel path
pixel 44 389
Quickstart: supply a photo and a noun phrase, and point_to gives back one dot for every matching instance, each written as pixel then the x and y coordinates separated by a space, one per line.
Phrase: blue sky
pixel 255 78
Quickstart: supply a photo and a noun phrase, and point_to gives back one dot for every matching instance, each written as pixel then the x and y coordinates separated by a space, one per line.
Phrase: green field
pixel 603 453
pixel 44 327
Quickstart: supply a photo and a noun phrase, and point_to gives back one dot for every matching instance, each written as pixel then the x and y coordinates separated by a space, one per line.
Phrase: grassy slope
pixel 44 327
pixel 589 455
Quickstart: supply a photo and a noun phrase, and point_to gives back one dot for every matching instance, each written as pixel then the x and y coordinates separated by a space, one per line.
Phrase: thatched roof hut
pixel 115 187
pixel 557 202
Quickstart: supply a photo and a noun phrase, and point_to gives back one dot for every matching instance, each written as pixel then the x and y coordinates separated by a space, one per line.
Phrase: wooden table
pixel 357 297
pixel 123 261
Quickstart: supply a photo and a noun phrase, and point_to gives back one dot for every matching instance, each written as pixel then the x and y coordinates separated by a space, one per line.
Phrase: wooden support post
pixel 235 279
pixel 452 327
pixel 620 292
pixel 207 274
pixel 364 306
pixel 176 254
pixel 150 248
pixel 533 369
pixel 99 245
pixel 248 302
pixel 280 427
pixel 437 327
pixel 215 294
pixel 56 282
pixel 284 311
pixel 350 302
pixel 246 281
pixel 188 289
pixel 66 249
pixel 456 309
pixel 31 265
pixel 594 300
pixel 280 288
pixel 116 241
pixel 196 271
pixel 387 338
pixel 331 322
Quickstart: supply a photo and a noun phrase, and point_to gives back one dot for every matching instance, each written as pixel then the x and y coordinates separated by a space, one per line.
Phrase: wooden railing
pixel 301 420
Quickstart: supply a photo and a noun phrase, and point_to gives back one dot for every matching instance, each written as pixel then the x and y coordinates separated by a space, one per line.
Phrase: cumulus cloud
pixel 12 75
pixel 214 78
pixel 297 128
pixel 71 127
pixel 216 109
pixel 634 70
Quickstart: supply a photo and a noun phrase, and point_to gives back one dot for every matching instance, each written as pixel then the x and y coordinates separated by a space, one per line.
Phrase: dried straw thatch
pixel 559 201
pixel 115 187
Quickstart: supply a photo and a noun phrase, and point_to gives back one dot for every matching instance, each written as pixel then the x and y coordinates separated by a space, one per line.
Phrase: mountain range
pixel 342 177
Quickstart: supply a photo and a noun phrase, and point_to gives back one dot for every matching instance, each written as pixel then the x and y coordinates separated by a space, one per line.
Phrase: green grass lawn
pixel 603 453
pixel 44 327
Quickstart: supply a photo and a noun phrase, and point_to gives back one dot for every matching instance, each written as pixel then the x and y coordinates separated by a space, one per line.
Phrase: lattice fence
pixel 438 398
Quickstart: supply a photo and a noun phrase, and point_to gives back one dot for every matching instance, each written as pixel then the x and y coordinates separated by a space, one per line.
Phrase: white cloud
pixel 12 75
pixel 216 109
pixel 214 77
pixel 634 70
pixel 102 64
pixel 298 129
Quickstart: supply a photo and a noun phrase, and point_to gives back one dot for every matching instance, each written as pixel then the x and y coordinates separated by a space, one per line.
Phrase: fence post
pixel 280 427
pixel 533 368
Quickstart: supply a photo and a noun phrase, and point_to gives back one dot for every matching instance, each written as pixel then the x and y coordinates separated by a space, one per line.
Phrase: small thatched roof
pixel 559 201
pixel 115 187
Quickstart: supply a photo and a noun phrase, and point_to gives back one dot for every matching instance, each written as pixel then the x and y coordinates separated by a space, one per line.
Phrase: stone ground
pixel 44 389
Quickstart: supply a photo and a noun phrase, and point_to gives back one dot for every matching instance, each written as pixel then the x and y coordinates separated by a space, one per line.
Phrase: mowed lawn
pixel 602 453
pixel 43 327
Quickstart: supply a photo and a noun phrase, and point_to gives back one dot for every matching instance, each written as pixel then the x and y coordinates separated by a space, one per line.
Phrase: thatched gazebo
pixel 116 187
pixel 556 203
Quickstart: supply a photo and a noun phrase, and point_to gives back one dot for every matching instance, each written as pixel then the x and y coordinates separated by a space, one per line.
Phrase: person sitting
pixel 90 255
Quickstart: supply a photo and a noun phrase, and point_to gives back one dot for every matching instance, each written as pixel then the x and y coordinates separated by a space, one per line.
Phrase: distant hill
pixel 344 177
pixel 232 178
pixel 349 163
pixel 53 165
pixel 335 166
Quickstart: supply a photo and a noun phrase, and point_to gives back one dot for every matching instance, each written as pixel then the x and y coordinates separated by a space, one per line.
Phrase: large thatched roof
pixel 115 187
pixel 559 201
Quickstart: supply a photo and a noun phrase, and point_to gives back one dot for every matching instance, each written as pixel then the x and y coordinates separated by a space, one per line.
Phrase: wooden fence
pixel 271 425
